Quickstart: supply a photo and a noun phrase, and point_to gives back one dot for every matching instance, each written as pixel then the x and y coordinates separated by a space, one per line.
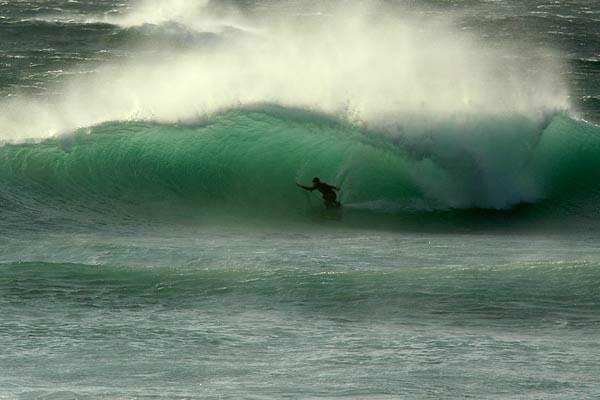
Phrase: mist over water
pixel 367 63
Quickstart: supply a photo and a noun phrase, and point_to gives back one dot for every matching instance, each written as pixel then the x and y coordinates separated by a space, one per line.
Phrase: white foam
pixel 365 61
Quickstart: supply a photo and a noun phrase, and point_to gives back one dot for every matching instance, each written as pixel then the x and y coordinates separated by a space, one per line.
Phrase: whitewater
pixel 154 244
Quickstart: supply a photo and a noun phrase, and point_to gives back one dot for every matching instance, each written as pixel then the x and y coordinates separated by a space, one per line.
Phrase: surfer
pixel 326 190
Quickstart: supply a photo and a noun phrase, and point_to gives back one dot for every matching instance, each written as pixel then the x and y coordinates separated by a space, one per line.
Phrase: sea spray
pixel 377 63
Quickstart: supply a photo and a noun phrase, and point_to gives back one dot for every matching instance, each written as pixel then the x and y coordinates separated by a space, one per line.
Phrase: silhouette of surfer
pixel 326 190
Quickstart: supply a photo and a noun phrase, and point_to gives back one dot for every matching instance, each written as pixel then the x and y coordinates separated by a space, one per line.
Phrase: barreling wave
pixel 246 161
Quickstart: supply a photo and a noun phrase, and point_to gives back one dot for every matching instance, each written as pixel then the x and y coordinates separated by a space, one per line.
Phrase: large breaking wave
pixel 244 162
pixel 221 108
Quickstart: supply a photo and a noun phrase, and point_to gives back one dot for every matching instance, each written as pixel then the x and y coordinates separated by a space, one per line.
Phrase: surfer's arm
pixel 306 187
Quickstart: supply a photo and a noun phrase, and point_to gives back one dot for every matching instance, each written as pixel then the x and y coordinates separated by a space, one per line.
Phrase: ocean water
pixel 153 243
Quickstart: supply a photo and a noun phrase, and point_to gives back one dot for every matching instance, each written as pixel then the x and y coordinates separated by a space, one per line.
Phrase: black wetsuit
pixel 328 193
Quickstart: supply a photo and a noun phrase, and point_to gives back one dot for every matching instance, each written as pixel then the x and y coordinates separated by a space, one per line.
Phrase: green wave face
pixel 246 162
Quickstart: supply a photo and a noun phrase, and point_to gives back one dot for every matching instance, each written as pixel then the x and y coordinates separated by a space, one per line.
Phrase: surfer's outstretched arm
pixel 306 187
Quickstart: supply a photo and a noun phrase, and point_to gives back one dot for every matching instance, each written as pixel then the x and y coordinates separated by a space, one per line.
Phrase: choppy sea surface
pixel 153 243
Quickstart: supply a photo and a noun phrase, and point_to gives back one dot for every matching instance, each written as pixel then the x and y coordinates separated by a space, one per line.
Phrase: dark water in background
pixel 157 248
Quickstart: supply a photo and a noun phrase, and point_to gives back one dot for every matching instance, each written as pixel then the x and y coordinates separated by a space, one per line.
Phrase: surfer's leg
pixel 331 200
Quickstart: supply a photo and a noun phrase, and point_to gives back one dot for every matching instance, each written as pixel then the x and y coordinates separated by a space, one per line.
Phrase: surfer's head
pixel 316 180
